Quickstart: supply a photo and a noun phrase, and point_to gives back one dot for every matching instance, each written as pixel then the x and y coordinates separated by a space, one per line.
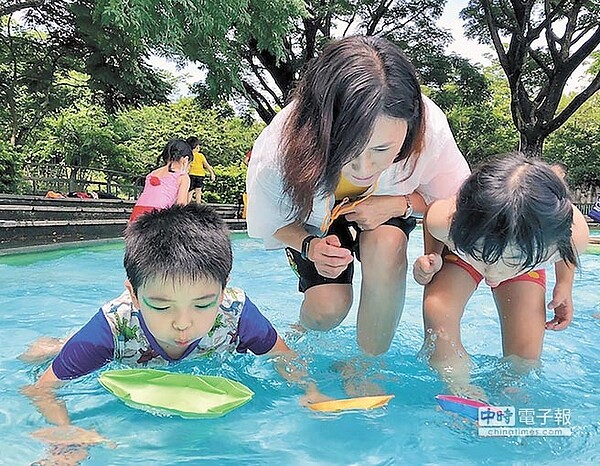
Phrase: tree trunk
pixel 531 143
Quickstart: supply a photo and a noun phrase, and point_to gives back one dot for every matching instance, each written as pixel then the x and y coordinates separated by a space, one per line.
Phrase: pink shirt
pixel 160 193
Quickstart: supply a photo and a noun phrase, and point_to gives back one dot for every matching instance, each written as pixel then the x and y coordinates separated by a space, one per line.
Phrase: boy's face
pixel 178 313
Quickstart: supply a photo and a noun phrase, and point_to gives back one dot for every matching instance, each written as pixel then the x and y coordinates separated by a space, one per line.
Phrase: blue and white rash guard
pixel 118 332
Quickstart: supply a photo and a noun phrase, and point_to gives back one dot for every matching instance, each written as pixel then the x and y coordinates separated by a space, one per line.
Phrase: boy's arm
pixel 209 168
pixel 294 369
pixel 43 396
pixel 257 334
pixel 86 351
pixel 63 434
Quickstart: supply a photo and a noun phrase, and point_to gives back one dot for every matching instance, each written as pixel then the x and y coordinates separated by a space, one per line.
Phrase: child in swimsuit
pixel 511 218
pixel 169 184
pixel 176 307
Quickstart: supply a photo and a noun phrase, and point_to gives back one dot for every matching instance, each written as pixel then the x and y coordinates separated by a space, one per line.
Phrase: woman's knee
pixel 325 313
pixel 384 247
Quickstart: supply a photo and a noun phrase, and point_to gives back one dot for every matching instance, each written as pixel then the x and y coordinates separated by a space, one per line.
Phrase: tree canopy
pixel 547 41
pixel 55 53
pixel 258 49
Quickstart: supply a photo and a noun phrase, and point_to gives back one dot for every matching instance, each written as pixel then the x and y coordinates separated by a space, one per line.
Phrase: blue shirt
pixel 118 332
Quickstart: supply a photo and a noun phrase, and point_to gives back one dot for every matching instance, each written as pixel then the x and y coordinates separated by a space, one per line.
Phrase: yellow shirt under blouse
pixel 346 189
pixel 197 165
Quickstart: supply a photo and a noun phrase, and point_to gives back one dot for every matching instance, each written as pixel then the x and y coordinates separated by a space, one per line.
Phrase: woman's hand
pixel 374 211
pixel 329 257
pixel 425 267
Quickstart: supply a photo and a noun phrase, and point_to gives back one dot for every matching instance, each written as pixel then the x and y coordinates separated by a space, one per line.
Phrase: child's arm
pixel 42 394
pixel 63 434
pixel 86 351
pixel 256 333
pixel 209 168
pixel 294 369
pixel 184 187
pixel 562 295
pixel 435 229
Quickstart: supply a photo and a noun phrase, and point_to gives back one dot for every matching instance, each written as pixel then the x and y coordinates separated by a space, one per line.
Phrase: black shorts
pixel 349 235
pixel 196 182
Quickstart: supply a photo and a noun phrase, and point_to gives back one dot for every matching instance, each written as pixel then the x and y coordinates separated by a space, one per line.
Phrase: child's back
pixel 169 184
pixel 161 188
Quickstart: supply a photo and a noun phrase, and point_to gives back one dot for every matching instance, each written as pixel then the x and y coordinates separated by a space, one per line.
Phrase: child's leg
pixel 42 349
pixel 198 195
pixel 522 311
pixel 444 302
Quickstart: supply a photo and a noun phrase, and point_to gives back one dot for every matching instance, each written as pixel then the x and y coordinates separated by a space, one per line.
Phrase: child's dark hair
pixel 175 150
pixel 514 201
pixel 184 243
pixel 193 141
pixel 335 105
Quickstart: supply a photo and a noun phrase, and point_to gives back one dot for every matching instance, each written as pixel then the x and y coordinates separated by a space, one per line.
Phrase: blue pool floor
pixel 55 293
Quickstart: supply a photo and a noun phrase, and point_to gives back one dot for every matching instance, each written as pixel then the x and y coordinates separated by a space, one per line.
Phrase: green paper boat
pixel 185 395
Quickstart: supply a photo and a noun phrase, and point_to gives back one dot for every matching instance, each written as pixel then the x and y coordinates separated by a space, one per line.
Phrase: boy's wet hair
pixel 179 243
pixel 514 201
pixel 175 150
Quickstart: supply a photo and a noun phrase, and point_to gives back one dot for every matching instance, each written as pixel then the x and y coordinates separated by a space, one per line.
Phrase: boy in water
pixel 176 306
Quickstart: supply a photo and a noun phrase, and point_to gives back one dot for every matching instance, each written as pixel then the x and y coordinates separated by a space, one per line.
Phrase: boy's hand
pixel 562 304
pixel 68 444
pixel 313 395
pixel 329 257
pixel 212 176
pixel 69 435
pixel 425 267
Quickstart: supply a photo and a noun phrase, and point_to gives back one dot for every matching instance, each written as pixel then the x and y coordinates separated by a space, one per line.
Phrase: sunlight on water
pixel 55 293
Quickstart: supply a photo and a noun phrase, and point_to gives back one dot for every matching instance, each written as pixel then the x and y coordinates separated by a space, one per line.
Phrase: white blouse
pixel 439 171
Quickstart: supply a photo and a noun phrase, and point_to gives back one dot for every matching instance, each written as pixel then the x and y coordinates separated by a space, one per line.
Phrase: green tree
pixel 46 65
pixel 37 77
pixel 224 140
pixel 481 125
pixel 547 42
pixel 257 49
pixel 11 178
pixel 577 144
pixel 81 138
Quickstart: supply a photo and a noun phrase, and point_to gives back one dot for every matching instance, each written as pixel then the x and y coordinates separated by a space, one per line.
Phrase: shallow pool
pixel 55 293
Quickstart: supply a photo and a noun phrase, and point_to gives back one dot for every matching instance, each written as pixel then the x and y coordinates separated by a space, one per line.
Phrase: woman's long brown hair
pixel 334 107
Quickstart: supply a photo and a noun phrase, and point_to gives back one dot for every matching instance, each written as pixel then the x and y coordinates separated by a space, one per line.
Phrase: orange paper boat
pixel 363 402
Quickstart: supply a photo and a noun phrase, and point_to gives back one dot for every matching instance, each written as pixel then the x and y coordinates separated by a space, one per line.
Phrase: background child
pixel 198 169
pixel 176 306
pixel 169 184
pixel 510 219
